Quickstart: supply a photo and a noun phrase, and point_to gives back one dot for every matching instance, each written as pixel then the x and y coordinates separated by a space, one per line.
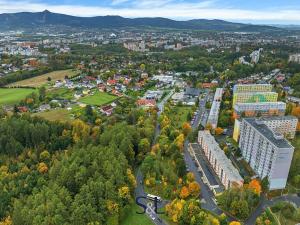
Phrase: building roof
pixel 192 91
pixel 259 105
pixel 278 140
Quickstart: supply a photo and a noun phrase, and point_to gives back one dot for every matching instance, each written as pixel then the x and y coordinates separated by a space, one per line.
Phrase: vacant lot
pixel 43 79
pixel 98 99
pixel 10 96
pixel 55 115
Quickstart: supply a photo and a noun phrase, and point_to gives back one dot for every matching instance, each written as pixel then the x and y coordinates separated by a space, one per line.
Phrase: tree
pixel 184 192
pixel 186 129
pixel 194 189
pixel 235 223
pixel 255 186
pixel 80 130
pixel 219 131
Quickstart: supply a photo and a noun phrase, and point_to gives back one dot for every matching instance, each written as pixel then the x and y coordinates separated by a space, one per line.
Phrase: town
pixel 205 123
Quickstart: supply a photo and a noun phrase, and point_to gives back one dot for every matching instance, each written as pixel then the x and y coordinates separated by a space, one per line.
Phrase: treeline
pixel 18 133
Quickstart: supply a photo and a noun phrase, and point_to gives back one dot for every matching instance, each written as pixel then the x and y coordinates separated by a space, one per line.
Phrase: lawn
pixel 42 80
pixel 62 115
pixel 98 99
pixel 178 115
pixel 136 219
pixel 61 93
pixel 10 96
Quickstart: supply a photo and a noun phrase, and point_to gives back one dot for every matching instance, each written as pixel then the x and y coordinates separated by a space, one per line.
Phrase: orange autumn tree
pixel 184 192
pixel 255 186
pixel 219 131
pixel 186 129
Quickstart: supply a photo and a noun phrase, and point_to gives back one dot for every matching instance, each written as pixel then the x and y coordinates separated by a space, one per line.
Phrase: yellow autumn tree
pixel 190 177
pixel 6 221
pixel 124 192
pixel 131 178
pixel 180 141
pixel 112 207
pixel 42 167
pixel 194 189
pixel 80 130
pixel 235 223
pixel 175 209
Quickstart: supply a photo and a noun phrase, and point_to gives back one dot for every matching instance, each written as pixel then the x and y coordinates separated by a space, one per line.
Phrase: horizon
pixel 278 12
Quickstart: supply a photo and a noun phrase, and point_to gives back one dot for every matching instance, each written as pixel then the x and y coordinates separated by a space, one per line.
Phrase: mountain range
pixel 25 20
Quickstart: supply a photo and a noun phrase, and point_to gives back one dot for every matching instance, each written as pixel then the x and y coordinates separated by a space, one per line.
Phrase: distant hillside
pixel 30 20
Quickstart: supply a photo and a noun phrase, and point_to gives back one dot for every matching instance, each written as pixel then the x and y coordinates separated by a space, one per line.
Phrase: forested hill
pixel 29 20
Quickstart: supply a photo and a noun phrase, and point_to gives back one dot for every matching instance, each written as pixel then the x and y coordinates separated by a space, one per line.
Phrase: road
pixel 139 191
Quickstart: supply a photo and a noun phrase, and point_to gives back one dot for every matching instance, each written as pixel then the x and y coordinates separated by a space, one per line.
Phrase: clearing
pixel 43 79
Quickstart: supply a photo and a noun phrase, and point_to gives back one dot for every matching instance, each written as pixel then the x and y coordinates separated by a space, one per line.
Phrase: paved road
pixel 139 191
pixel 264 203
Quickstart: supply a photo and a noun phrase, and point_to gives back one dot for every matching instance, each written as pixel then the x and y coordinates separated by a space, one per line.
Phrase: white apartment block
pixel 215 108
pixel 227 173
pixel 268 153
pixel 295 58
pixel 284 125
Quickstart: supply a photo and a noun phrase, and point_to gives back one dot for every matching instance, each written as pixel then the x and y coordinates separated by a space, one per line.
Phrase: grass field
pixel 98 99
pixel 178 115
pixel 61 93
pixel 55 115
pixel 10 96
pixel 136 219
pixel 41 80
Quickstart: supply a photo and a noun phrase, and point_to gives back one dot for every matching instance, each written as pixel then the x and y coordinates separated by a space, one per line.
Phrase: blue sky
pixel 249 11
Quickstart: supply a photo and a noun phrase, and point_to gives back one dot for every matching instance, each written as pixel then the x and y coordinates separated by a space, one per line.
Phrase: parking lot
pixel 207 173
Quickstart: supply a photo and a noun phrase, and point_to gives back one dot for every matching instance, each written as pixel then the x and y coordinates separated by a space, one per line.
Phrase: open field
pixel 62 115
pixel 41 80
pixel 98 99
pixel 10 96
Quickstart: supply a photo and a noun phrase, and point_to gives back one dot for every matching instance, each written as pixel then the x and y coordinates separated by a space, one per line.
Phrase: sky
pixel 248 11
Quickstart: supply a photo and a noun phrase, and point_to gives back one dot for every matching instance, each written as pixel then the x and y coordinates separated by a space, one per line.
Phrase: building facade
pixel 284 125
pixel 259 109
pixel 227 173
pixel 268 153
pixel 254 97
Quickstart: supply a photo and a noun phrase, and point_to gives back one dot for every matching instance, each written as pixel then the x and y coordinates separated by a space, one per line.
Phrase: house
pixel 44 107
pixel 107 110
pixel 22 109
pixel 146 103
pixel 101 87
pixel 111 82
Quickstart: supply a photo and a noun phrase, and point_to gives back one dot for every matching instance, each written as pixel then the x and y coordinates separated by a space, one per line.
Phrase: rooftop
pixel 225 163
pixel 265 131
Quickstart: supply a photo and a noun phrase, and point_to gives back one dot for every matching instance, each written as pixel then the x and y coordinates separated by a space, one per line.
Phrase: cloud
pixel 160 8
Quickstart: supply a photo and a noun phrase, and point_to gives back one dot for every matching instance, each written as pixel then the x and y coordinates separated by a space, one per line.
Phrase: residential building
pixel 215 108
pixel 227 173
pixel 254 97
pixel 268 153
pixel 284 125
pixel 294 58
pixel 259 109
pixel 252 88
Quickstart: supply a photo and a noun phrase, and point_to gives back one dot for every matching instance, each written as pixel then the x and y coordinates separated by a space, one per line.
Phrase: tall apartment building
pixel 254 97
pixel 252 88
pixel 213 116
pixel 268 153
pixel 294 58
pixel 227 173
pixel 253 93
pixel 259 109
pixel 284 125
